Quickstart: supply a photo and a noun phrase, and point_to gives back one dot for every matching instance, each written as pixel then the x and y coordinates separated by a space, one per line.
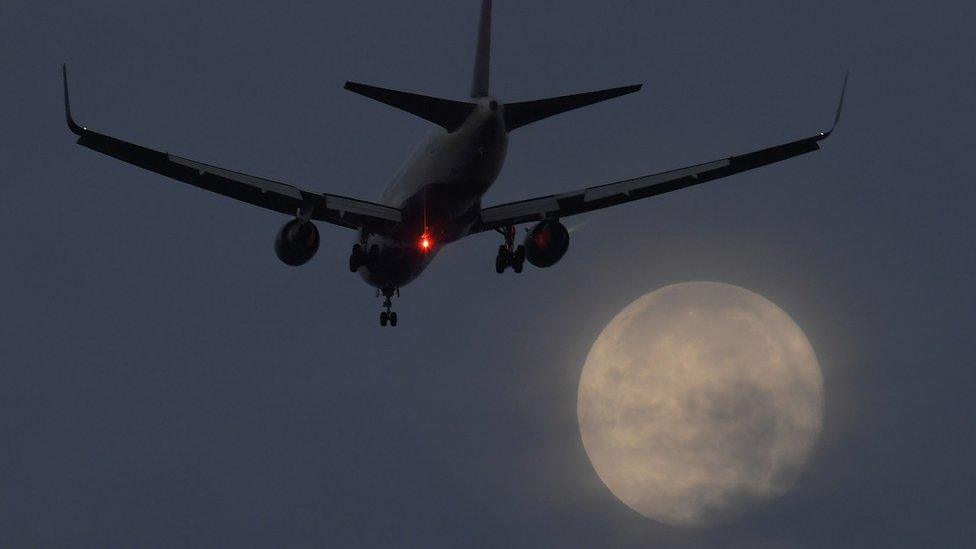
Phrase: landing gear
pixel 388 316
pixel 519 260
pixel 357 258
pixel 507 258
pixel 360 258
pixel 508 254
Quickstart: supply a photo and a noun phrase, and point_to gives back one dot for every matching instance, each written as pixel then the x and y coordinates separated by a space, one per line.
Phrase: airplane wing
pixel 620 192
pixel 271 195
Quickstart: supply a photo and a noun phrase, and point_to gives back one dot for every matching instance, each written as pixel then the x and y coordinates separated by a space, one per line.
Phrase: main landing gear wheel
pixel 507 258
pixel 388 316
pixel 501 260
pixel 360 258
pixel 357 259
pixel 518 261
pixel 508 254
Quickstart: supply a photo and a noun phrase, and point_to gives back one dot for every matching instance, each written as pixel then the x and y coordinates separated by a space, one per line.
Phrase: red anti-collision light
pixel 426 242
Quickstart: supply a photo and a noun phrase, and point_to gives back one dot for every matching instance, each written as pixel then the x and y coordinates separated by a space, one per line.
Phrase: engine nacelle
pixel 547 243
pixel 297 242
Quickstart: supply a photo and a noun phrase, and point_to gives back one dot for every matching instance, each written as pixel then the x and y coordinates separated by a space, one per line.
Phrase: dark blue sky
pixel 165 381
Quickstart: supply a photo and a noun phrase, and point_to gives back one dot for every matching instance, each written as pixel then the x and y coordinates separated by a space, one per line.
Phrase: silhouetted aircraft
pixel 435 198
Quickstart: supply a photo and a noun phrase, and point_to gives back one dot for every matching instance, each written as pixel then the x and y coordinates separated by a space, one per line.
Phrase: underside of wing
pixel 268 194
pixel 604 196
pixel 620 192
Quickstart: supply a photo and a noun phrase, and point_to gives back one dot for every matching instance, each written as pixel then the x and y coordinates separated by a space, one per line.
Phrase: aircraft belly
pixel 439 191
pixel 395 264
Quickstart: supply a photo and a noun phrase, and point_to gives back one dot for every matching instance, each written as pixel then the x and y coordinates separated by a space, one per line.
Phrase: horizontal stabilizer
pixel 522 114
pixel 443 112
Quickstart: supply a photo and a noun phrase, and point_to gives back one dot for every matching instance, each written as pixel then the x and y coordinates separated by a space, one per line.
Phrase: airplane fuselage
pixel 435 198
pixel 439 190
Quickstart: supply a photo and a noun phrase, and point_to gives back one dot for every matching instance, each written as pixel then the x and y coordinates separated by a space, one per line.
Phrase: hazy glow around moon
pixel 698 402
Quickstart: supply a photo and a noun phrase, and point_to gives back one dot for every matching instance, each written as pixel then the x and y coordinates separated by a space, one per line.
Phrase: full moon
pixel 699 402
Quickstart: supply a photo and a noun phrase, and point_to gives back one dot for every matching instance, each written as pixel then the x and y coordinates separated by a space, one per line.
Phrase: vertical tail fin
pixel 482 60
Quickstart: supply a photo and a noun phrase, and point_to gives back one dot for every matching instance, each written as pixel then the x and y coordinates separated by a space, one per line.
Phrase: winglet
pixel 840 105
pixel 72 125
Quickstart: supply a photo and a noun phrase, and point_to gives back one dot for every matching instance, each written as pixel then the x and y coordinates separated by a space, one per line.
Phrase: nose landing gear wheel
pixel 388 316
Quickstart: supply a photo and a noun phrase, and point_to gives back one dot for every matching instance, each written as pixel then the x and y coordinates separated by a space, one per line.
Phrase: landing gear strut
pixel 508 254
pixel 389 316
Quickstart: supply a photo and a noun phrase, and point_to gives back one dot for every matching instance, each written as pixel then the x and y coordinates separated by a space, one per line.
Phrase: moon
pixel 700 402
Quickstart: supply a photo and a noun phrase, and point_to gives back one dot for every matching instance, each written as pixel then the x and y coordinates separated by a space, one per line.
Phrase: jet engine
pixel 547 243
pixel 297 242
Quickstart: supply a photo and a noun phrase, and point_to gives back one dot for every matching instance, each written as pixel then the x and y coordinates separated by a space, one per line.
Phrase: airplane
pixel 435 198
